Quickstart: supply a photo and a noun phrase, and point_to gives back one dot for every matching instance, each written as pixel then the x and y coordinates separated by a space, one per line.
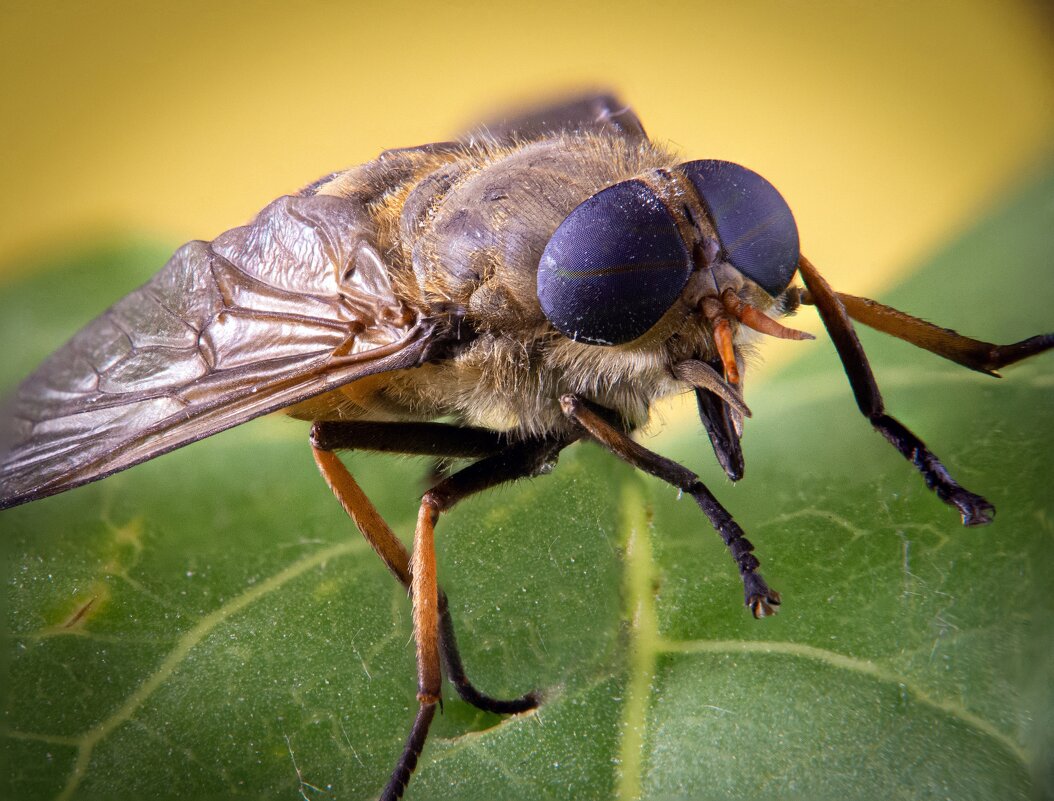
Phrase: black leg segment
pixel 974 509
pixel 404 768
pixel 760 598
pixel 421 439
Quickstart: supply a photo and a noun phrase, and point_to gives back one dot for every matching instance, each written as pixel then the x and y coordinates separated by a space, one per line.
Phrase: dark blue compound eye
pixel 614 266
pixel 754 224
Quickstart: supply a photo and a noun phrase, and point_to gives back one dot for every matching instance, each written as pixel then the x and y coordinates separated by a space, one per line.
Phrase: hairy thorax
pixel 463 238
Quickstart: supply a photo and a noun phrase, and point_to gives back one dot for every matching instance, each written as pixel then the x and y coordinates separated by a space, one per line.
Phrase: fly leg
pixel 760 599
pixel 974 509
pixel 433 627
pixel 432 439
pixel 984 357
pixel 523 460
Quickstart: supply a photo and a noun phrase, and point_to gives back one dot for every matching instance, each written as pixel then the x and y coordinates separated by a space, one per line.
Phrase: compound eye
pixel 614 266
pixel 754 224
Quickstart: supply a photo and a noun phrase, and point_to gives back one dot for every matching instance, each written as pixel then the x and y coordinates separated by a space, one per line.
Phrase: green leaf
pixel 210 625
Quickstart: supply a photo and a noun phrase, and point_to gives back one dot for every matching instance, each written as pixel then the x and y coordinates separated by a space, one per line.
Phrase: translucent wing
pixel 598 112
pixel 288 307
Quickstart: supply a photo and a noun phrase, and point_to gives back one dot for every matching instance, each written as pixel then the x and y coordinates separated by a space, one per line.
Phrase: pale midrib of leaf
pixel 647 644
pixel 644 637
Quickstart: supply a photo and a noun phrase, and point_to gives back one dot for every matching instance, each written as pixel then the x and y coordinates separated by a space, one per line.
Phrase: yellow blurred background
pixel 887 125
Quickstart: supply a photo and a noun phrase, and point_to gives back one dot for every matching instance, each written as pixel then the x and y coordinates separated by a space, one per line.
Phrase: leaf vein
pixel 863 667
pixel 87 742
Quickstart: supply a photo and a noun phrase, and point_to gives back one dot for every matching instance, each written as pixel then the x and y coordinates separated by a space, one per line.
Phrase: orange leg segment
pixel 433 627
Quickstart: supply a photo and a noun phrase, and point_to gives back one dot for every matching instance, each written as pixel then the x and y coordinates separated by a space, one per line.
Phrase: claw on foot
pixel 975 510
pixel 764 605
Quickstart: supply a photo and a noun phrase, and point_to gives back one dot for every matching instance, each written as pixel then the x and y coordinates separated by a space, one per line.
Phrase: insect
pixel 544 280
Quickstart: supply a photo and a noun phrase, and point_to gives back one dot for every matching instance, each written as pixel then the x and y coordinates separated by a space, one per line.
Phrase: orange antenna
pixel 751 317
